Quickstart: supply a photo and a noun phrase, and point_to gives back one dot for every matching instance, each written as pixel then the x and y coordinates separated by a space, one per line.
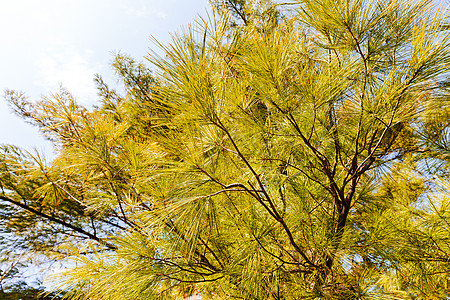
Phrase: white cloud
pixel 45 41
pixel 135 11
pixel 162 14
pixel 141 10
pixel 73 70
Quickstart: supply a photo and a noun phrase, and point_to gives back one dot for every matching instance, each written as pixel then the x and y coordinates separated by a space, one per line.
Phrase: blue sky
pixel 48 43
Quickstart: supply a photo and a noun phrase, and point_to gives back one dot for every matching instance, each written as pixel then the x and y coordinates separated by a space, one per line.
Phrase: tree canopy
pixel 273 151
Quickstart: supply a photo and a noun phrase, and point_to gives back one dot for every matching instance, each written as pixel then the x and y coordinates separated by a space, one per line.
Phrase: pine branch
pixel 58 221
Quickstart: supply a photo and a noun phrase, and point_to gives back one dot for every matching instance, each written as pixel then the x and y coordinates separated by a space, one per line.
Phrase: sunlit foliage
pixel 273 151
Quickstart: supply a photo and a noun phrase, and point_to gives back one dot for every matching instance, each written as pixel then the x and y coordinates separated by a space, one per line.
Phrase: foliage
pixel 275 152
pixel 22 291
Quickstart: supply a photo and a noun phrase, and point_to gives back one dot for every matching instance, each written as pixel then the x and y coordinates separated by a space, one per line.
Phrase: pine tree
pixel 274 152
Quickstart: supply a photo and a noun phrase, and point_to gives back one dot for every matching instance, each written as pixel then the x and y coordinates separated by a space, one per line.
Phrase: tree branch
pixel 61 222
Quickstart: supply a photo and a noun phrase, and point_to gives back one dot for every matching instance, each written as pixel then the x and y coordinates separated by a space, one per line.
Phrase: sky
pixel 49 43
